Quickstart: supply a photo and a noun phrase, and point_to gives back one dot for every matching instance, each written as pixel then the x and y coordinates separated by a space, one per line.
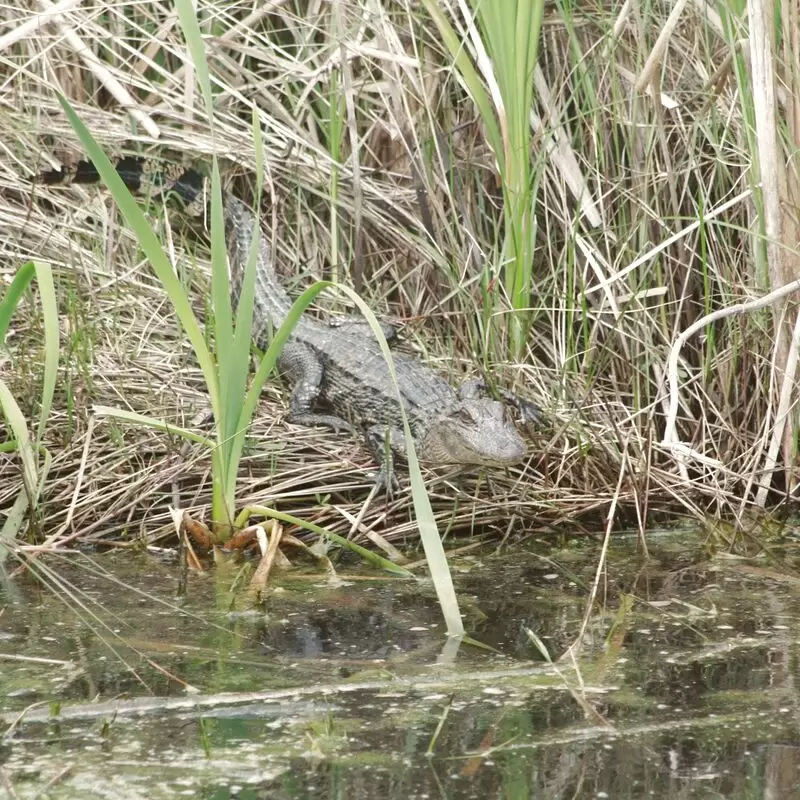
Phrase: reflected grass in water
pixel 336 691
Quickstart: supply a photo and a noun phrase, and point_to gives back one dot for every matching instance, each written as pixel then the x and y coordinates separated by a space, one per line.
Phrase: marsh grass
pixel 495 46
pixel 381 168
pixel 34 457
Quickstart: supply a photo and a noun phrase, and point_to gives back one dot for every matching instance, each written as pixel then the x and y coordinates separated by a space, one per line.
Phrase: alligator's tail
pixel 142 175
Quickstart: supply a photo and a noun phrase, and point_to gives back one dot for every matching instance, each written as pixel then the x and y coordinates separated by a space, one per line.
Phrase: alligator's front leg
pixel 383 443
pixel 528 412
pixel 304 371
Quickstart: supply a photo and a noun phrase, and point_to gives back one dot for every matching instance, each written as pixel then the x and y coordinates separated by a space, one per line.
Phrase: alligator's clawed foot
pixel 528 412
pixel 386 482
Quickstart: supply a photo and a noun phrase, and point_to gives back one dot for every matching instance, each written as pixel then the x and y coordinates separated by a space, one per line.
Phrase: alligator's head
pixel 474 431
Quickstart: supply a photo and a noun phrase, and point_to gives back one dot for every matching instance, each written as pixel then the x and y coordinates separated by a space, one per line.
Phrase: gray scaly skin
pixel 343 366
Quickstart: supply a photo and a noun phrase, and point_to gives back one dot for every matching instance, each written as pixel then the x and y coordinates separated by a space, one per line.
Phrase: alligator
pixel 339 363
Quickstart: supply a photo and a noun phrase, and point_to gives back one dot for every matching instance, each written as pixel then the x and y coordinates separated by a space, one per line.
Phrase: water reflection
pixel 685 685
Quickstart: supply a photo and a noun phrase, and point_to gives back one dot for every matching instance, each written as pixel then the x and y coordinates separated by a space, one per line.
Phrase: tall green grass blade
pixel 15 520
pixel 47 298
pixel 332 118
pixel 34 473
pixel 258 152
pixel 11 298
pixel 24 447
pixel 187 16
pixel 232 359
pixel 220 286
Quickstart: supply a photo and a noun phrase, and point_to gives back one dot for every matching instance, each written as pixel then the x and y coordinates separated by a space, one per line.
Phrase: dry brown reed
pixel 406 203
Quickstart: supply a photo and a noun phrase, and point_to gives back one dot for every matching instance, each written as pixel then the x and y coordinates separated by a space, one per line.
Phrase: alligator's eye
pixel 465 415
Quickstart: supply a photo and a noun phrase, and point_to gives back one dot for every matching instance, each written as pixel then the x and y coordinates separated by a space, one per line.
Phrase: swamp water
pixel 684 687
